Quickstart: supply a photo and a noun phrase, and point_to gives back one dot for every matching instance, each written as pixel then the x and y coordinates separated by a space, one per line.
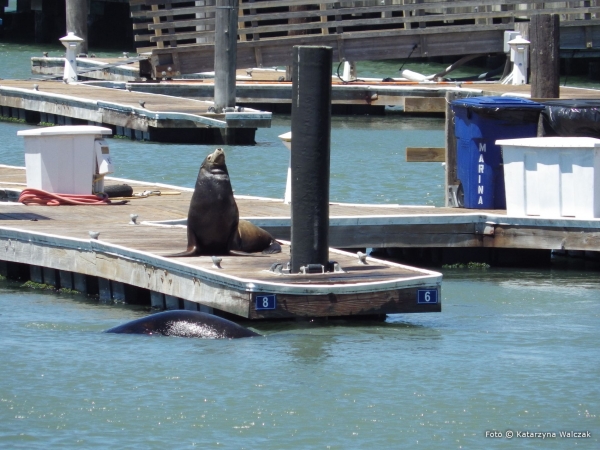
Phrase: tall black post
pixel 226 28
pixel 311 135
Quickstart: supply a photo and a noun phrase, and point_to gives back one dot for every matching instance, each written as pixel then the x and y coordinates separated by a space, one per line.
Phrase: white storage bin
pixel 552 176
pixel 62 159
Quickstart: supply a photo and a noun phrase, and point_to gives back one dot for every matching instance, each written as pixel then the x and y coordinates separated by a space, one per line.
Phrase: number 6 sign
pixel 427 296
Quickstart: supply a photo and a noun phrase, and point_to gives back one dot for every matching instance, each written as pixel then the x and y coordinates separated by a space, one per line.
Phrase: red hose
pixel 39 197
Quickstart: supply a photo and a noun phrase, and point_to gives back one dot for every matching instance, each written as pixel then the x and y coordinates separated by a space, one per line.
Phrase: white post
pixel 70 41
pixel 519 52
pixel 286 138
pixel 349 72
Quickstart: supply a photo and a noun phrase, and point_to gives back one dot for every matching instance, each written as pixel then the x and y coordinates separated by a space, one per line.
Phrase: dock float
pixel 363 97
pixel 109 69
pixel 120 246
pixel 380 226
pixel 445 230
pixel 136 115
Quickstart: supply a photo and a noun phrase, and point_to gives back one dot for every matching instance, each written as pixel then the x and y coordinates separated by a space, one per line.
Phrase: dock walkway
pixel 374 226
pixel 370 97
pixel 134 114
pixel 58 239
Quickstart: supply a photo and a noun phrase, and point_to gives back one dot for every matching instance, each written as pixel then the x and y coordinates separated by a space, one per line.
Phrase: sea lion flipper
pixel 275 247
pixel 241 253
pixel 190 251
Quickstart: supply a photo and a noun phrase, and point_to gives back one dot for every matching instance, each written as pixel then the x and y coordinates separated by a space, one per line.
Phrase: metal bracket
pixel 486 229
pixel 312 268
pixel 452 199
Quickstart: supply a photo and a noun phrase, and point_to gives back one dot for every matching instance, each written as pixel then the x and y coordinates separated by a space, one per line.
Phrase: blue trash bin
pixel 479 122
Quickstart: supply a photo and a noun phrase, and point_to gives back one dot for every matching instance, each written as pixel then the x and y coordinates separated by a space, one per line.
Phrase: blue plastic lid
pixel 497 103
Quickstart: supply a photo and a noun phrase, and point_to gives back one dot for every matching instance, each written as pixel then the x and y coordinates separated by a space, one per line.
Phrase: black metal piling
pixel 311 134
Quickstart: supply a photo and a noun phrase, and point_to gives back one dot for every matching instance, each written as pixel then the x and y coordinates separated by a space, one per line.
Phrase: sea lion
pixel 183 323
pixel 213 225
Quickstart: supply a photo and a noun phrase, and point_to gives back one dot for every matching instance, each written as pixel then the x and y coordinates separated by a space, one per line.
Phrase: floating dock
pixel 371 97
pixel 383 226
pixel 257 88
pixel 136 115
pixel 265 90
pixel 108 69
pixel 127 256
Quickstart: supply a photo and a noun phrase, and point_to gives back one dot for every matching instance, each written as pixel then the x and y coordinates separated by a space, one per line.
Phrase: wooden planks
pixel 161 118
pixel 131 254
pixel 426 105
pixel 351 226
pixel 425 154
pixel 374 30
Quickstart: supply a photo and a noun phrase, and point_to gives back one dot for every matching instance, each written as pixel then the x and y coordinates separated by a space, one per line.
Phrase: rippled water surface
pixel 512 351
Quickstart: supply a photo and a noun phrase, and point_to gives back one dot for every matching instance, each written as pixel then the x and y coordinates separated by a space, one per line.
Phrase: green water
pixel 513 350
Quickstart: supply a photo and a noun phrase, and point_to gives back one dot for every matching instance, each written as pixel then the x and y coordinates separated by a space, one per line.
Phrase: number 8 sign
pixel 265 301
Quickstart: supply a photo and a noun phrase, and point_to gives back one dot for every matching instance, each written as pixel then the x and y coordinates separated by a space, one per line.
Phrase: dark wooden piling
pixel 311 136
pixel 544 33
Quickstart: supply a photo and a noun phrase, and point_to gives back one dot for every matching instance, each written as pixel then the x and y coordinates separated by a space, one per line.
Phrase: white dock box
pixel 552 176
pixel 63 159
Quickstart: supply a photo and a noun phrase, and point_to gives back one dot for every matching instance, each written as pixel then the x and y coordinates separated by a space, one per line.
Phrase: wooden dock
pixel 133 114
pixel 129 255
pixel 115 69
pixel 370 97
pixel 57 243
pixel 181 36
pixel 381 226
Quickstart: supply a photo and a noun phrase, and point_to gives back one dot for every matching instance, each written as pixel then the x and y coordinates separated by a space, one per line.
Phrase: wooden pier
pixel 133 114
pixel 129 255
pixel 109 69
pixel 180 37
pixel 382 225
pixel 360 97
pixel 56 241
pixel 371 97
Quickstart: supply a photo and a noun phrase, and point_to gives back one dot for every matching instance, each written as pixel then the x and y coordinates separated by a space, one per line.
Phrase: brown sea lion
pixel 213 225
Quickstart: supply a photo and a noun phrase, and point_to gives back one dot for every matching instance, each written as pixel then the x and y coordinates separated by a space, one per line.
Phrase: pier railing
pixel 164 24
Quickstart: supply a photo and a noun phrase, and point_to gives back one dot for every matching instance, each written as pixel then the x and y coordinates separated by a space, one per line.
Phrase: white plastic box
pixel 552 177
pixel 62 159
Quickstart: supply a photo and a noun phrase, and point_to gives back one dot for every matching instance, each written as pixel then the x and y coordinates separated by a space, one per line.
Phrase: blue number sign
pixel 427 296
pixel 266 301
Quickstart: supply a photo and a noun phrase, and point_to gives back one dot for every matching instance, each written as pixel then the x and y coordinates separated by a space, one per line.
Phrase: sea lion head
pixel 214 164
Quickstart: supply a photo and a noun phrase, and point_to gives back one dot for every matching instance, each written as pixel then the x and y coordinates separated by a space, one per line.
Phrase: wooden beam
pixel 425 104
pixel 425 154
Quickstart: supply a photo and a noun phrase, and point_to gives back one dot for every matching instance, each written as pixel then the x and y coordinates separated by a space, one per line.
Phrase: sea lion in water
pixel 183 323
pixel 213 225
